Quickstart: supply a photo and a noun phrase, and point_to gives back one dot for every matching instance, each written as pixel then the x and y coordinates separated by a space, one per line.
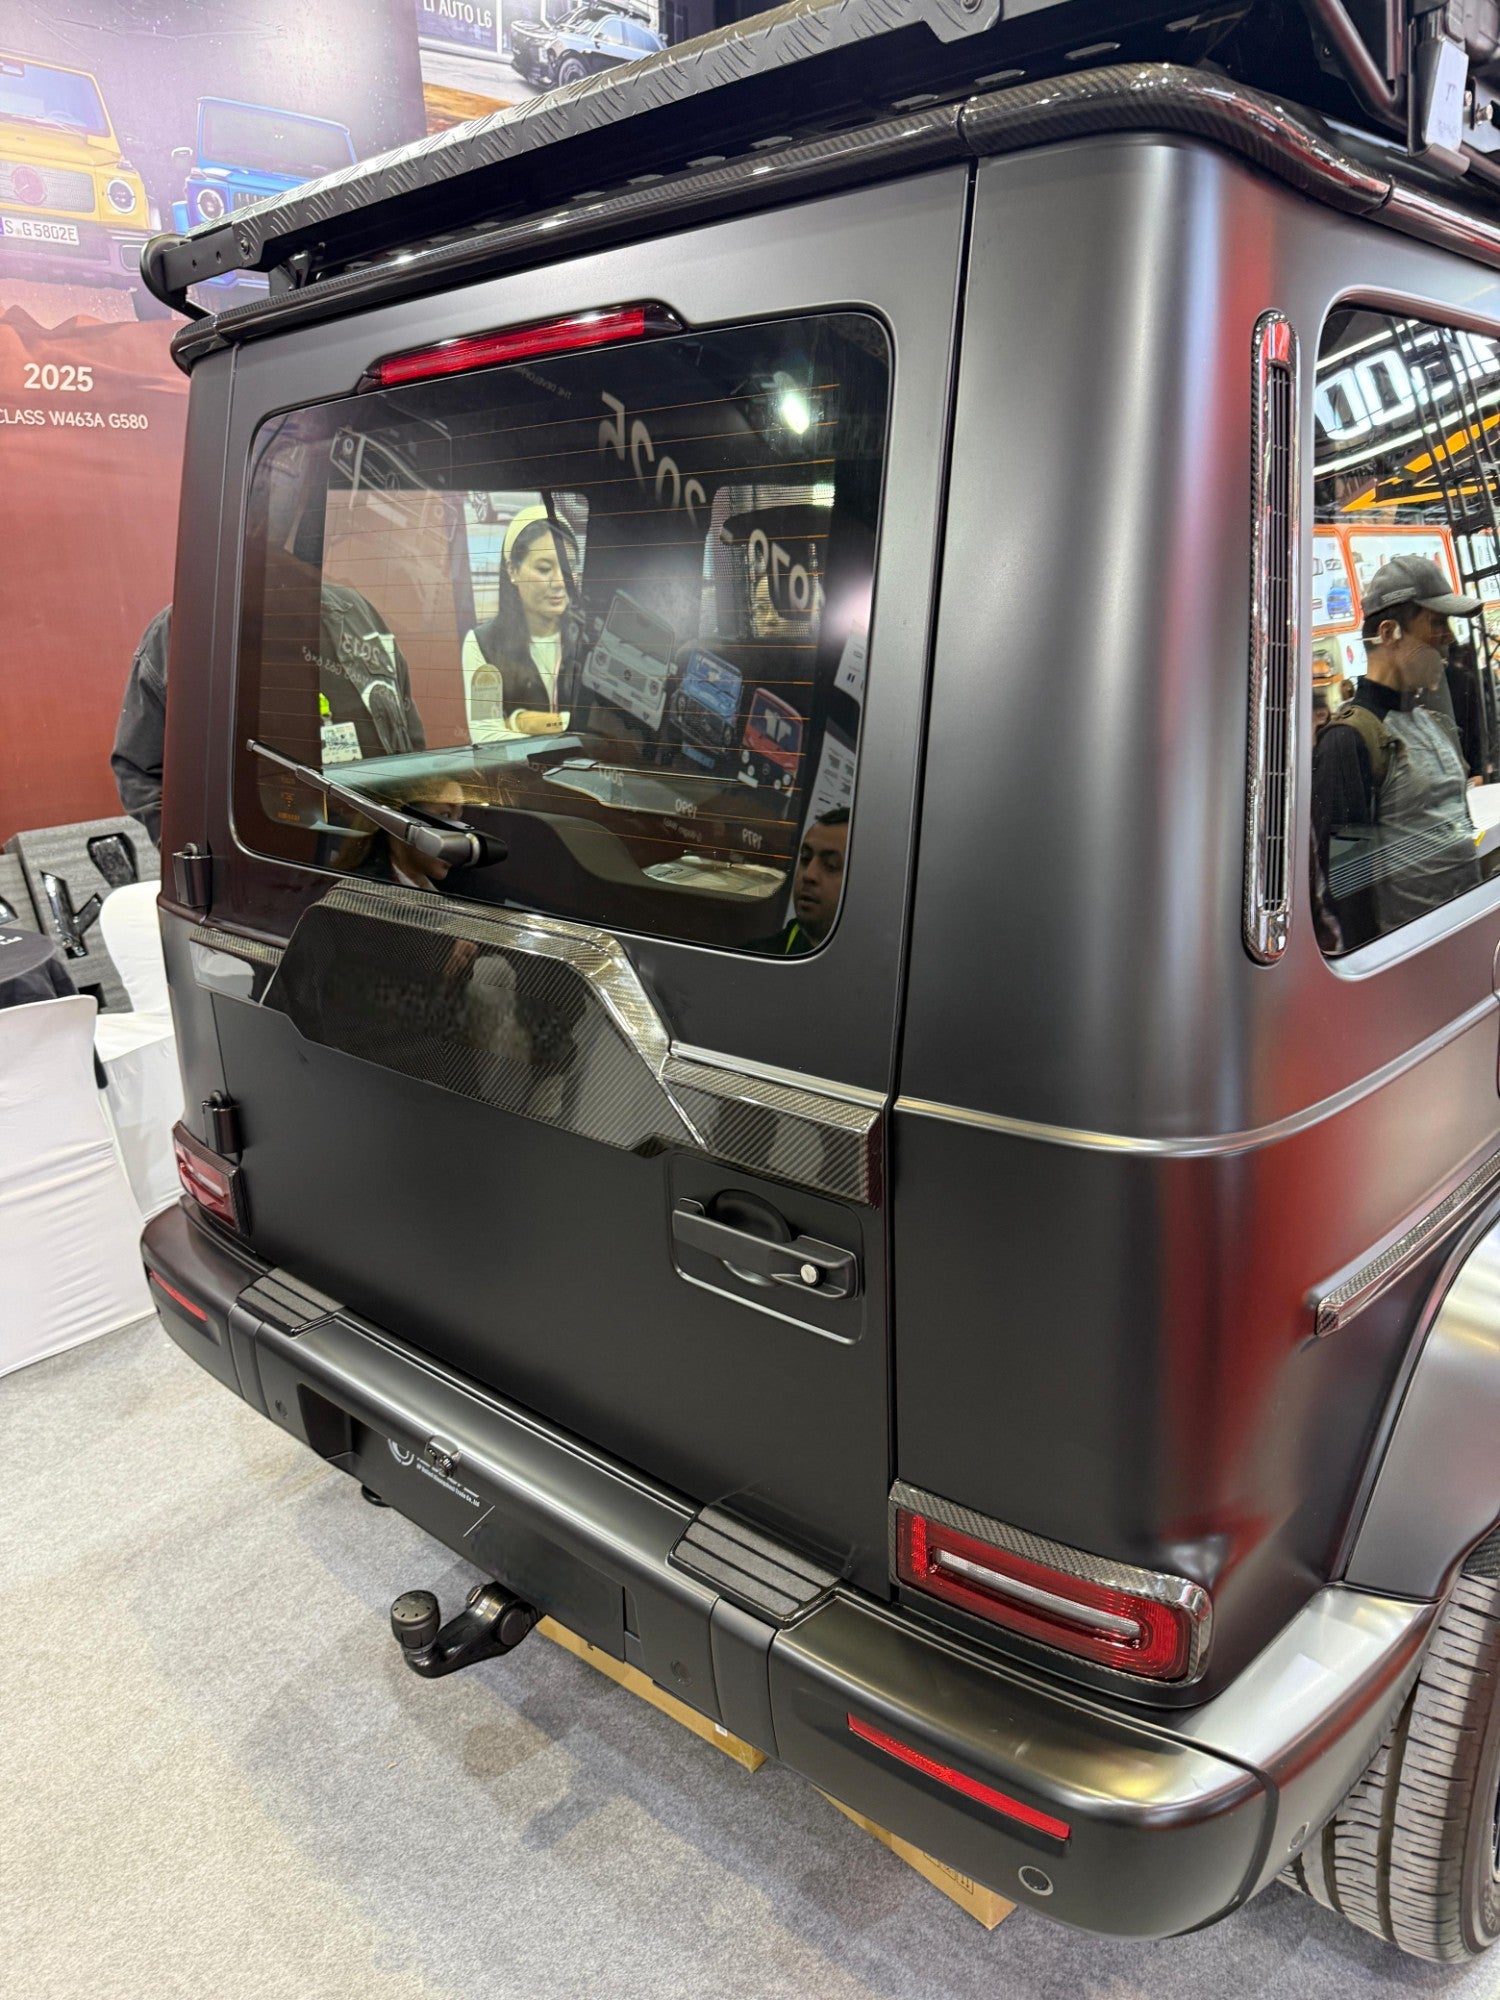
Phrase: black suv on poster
pixel 593 38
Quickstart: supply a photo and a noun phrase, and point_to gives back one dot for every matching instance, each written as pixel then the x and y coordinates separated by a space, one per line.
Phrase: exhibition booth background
pixel 120 118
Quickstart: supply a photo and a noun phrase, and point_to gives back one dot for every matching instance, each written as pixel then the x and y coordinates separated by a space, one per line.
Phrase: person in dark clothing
pixel 137 756
pixel 817 884
pixel 1462 676
pixel 1391 825
pixel 364 684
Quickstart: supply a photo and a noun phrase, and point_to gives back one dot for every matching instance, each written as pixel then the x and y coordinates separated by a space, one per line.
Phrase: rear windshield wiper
pixel 450 840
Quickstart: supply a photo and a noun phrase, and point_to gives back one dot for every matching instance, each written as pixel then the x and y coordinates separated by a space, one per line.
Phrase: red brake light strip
pixel 522 343
pixel 985 1795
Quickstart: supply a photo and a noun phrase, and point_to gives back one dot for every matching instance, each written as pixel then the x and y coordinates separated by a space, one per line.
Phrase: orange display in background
pixel 92 418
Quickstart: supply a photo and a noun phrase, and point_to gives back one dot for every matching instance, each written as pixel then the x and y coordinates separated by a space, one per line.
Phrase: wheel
pixel 570 70
pixel 1413 1853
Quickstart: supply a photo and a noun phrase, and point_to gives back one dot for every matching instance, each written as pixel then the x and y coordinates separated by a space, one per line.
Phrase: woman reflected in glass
pixel 521 667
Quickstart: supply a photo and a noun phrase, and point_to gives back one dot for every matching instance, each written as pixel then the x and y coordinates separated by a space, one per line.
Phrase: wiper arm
pixel 449 840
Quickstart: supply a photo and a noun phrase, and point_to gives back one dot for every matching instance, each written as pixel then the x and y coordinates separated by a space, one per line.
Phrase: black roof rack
pixel 817 94
pixel 810 67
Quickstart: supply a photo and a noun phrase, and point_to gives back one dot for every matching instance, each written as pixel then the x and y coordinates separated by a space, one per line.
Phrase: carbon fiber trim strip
pixel 785 1127
pixel 1335 1308
pixel 256 950
pixel 1155 1584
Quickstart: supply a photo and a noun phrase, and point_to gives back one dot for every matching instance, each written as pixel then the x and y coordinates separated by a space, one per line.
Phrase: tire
pixel 570 70
pixel 1413 1853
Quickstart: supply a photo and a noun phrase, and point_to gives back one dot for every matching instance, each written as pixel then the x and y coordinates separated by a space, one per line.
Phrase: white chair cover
pixel 70 1265
pixel 138 1050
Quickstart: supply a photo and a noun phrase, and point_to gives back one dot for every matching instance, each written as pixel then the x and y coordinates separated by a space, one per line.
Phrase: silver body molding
pixel 1438 1489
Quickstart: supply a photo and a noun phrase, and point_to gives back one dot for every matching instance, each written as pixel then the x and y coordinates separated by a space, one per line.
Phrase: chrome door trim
pixel 1208 1144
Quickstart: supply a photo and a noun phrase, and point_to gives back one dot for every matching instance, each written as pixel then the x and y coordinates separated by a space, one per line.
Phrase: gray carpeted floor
pixel 217 1779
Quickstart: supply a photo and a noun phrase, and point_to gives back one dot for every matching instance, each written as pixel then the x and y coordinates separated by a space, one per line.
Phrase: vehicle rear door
pixel 600 1123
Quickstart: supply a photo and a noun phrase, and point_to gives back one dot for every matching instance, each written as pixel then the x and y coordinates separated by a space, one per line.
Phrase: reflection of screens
pixel 706 704
pixel 630 665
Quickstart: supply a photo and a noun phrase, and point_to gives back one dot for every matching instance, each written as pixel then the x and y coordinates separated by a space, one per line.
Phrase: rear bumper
pixel 1173 1820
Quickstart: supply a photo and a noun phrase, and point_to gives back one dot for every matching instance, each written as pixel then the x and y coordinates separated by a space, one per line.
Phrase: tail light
pixel 213 1183
pixel 957 1781
pixel 1134 1620
pixel 522 343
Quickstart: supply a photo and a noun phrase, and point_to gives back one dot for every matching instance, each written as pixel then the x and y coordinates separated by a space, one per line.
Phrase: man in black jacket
pixel 141 730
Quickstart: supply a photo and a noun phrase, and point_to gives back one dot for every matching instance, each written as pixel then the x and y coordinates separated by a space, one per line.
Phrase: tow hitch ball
pixel 492 1622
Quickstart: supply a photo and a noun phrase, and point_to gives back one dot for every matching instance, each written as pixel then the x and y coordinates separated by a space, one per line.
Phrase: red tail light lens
pixel 211 1182
pixel 523 343
pixel 1153 1626
pixel 985 1795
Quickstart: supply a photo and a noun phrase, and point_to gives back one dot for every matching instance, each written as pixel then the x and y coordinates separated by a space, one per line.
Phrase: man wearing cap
pixel 1390 815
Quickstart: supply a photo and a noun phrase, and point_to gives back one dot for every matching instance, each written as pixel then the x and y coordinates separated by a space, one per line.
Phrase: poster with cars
pixel 481 55
pixel 119 118
pixel 1335 603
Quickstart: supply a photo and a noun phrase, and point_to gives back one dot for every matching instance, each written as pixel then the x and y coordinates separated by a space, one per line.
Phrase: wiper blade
pixel 449 840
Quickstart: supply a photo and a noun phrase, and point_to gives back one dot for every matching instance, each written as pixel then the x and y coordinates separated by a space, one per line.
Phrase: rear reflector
pixel 985 1795
pixel 522 343
pixel 211 1182
pixel 172 1293
pixel 1130 1619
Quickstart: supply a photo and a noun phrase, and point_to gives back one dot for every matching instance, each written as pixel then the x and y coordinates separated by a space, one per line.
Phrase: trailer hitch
pixel 491 1623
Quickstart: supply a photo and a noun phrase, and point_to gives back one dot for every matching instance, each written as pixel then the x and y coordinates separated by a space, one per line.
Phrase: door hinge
pixel 192 876
pixel 221 1125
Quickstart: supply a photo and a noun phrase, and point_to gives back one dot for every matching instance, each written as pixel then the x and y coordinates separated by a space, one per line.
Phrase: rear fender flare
pixel 1437 1491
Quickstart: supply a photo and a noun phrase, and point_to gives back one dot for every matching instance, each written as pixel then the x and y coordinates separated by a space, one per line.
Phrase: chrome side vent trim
pixel 1275 641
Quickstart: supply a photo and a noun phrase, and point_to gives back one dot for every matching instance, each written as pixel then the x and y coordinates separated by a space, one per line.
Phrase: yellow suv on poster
pixel 73 211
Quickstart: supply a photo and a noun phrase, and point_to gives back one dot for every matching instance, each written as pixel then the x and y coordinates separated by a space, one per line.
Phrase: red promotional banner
pixel 119 118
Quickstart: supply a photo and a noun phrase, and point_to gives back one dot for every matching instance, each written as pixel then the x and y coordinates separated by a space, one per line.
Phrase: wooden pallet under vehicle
pixel 986 1906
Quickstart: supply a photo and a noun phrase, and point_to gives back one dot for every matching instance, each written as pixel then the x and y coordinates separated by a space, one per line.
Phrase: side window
pixel 1405 621
pixel 609 607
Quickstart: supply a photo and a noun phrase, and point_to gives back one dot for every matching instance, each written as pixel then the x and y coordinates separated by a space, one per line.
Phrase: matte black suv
pixel 774 1054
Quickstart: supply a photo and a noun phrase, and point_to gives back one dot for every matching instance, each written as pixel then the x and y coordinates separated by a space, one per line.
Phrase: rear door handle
pixel 805 1264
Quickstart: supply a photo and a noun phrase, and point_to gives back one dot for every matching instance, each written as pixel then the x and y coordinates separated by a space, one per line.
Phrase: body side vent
pixel 1275 640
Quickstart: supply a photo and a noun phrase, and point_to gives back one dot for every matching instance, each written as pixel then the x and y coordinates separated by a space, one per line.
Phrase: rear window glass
pixel 1405 621
pixel 609 608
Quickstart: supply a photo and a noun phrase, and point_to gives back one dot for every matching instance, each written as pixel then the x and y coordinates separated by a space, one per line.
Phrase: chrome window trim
pixel 1275 638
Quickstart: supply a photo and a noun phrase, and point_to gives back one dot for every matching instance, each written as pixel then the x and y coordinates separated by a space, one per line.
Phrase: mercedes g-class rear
pixel 766 1056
